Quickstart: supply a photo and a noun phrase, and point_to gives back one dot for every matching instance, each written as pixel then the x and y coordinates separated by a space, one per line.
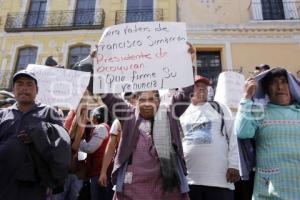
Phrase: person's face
pixel 94 121
pixel 279 92
pixel 200 92
pixel 133 100
pixel 25 90
pixel 148 103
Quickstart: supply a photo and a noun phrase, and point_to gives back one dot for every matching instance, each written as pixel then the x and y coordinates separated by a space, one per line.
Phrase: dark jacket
pixel 20 171
pixel 247 157
pixel 51 152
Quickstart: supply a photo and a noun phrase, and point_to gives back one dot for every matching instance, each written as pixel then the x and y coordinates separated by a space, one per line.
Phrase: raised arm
pixel 117 106
pixel 100 133
pixel 248 115
pixel 110 150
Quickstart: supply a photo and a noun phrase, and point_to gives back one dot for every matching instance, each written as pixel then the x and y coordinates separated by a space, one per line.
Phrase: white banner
pixel 60 87
pixel 230 88
pixel 142 56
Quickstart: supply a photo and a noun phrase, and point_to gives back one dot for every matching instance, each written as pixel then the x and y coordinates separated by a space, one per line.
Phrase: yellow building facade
pixel 241 34
pixel 228 34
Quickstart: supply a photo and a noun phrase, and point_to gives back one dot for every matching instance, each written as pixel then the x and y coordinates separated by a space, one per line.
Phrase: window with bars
pixel 209 65
pixel 36 13
pixel 139 10
pixel 77 53
pixel 26 56
pixel 85 11
pixel 272 9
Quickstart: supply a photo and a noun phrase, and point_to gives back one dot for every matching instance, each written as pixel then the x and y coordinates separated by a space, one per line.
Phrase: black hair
pixel 129 95
pixel 156 94
pixel 276 72
pixel 50 61
pixel 101 115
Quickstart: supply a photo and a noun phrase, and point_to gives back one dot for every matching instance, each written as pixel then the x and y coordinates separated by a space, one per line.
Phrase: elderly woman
pixel 275 128
pixel 149 163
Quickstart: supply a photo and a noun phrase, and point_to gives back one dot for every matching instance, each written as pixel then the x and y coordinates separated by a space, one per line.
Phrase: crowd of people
pixel 143 145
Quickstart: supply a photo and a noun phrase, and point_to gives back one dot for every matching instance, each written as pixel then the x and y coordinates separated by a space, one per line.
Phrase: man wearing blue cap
pixel 31 138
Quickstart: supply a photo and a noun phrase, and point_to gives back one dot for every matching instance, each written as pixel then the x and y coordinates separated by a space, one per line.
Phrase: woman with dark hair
pixel 275 128
pixel 94 145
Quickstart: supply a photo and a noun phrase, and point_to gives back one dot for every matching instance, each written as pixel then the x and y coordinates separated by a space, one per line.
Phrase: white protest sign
pixel 60 87
pixel 230 88
pixel 142 56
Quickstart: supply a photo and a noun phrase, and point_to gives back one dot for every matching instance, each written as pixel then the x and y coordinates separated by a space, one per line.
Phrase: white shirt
pixel 115 128
pixel 208 154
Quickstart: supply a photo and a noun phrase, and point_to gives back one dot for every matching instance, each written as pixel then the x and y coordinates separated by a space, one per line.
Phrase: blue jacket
pixel 23 166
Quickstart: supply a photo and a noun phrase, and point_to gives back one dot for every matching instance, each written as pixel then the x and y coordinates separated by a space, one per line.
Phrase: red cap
pixel 202 79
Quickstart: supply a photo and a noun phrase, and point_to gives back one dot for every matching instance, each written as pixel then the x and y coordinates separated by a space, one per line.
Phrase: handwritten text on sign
pixel 60 87
pixel 142 56
pixel 230 88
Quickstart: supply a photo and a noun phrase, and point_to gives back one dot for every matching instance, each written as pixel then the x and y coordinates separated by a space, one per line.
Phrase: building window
pixel 85 12
pixel 26 56
pixel 275 9
pixel 36 13
pixel 272 9
pixel 209 65
pixel 139 10
pixel 77 53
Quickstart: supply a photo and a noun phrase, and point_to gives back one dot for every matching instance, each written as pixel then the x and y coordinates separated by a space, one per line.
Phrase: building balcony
pixel 138 15
pixel 55 21
pixel 275 10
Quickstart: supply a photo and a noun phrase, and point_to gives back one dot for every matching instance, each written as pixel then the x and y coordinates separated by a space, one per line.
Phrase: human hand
pixel 192 51
pixel 82 120
pixel 93 53
pixel 250 88
pixel 232 175
pixel 25 137
pixel 102 180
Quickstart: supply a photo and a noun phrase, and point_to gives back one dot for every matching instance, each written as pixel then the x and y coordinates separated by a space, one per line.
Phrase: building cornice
pixel 252 26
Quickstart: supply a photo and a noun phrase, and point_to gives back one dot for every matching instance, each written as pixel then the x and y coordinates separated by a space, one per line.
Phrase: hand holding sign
pixel 230 88
pixel 142 56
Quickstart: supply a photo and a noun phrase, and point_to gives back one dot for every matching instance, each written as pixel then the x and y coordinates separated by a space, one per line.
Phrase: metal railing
pixel 275 10
pixel 55 20
pixel 138 15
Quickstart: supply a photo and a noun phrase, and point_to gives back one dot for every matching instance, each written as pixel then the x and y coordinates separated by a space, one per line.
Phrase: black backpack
pixel 218 108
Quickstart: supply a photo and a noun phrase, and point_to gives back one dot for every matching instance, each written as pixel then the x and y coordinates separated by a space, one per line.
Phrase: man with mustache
pixel 34 146
pixel 209 146
pixel 275 129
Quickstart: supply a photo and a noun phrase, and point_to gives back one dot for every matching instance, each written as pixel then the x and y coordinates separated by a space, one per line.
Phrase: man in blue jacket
pixel 34 147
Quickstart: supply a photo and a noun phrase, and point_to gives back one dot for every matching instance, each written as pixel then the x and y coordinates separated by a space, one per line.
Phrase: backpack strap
pixel 218 108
